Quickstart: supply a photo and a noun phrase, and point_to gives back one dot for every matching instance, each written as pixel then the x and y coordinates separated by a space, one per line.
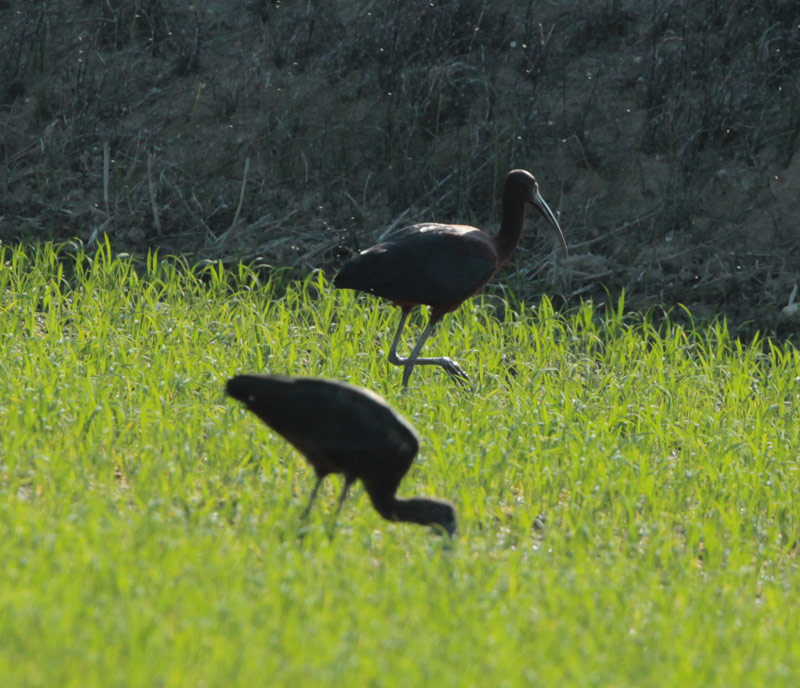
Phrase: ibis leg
pixel 393 357
pixel 450 366
pixel 311 499
pixel 348 481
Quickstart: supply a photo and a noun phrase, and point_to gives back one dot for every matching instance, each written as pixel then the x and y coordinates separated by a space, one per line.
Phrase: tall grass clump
pixel 627 492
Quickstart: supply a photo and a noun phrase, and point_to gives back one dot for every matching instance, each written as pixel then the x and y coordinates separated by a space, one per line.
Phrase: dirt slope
pixel 665 133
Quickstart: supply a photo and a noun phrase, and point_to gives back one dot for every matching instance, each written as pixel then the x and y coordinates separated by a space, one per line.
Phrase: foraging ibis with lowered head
pixel 341 428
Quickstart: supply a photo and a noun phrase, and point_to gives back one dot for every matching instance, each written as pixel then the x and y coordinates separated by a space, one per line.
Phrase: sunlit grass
pixel 148 526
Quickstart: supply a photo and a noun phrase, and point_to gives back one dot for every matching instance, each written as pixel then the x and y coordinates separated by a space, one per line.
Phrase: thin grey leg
pixel 393 357
pixel 311 499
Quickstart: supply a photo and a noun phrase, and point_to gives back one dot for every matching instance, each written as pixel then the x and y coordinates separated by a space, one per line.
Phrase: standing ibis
pixel 442 265
pixel 341 428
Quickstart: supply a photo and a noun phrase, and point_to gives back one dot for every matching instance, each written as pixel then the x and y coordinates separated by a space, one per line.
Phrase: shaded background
pixel 663 133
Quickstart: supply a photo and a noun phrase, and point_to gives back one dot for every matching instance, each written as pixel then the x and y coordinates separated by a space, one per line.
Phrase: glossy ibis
pixel 345 429
pixel 442 265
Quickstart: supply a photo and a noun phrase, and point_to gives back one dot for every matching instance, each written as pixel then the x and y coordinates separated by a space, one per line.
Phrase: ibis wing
pixel 325 417
pixel 410 230
pixel 429 264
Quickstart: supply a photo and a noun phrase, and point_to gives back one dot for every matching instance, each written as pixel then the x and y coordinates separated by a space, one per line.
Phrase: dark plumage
pixel 345 429
pixel 442 265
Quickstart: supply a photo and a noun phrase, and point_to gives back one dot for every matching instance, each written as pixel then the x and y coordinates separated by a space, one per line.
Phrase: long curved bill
pixel 539 203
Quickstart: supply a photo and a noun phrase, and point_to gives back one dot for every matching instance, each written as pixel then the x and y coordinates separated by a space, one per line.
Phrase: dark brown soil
pixel 664 133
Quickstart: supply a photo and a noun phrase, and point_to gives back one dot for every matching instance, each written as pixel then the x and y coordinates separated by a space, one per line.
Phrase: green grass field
pixel 149 526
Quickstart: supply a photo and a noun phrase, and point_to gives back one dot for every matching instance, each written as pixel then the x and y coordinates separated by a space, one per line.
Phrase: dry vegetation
pixel 665 132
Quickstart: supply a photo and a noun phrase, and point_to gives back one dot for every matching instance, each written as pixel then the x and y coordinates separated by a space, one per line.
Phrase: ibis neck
pixel 419 510
pixel 511 221
pixel 410 510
